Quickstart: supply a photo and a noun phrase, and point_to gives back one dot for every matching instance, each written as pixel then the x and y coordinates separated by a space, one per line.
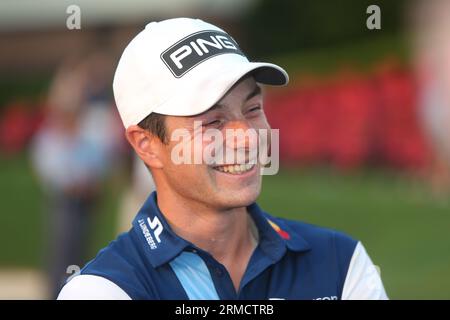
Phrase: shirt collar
pixel 161 244
pixel 275 236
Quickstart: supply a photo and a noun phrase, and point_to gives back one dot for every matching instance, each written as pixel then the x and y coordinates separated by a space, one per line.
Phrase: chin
pixel 238 198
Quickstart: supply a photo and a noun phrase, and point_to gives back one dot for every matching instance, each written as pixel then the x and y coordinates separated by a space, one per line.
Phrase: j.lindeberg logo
pixel 196 48
pixel 156 228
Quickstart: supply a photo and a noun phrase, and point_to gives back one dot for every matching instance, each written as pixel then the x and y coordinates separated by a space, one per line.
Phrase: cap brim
pixel 270 74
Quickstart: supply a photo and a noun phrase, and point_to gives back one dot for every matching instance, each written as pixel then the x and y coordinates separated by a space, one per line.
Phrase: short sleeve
pixel 90 287
pixel 363 282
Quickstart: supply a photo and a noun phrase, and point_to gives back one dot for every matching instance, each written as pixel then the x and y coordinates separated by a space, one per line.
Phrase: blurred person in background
pixel 431 29
pixel 72 154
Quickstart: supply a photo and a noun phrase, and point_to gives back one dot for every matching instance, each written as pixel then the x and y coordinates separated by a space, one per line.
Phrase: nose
pixel 240 135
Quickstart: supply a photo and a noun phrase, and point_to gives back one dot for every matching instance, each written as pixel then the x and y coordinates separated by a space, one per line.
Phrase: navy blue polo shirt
pixel 293 260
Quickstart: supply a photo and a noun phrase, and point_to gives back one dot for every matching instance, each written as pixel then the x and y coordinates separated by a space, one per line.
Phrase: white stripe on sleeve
pixel 363 281
pixel 89 287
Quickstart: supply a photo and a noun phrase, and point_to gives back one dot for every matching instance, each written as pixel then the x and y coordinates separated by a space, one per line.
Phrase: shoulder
pixel 328 250
pixel 119 267
pixel 358 276
pixel 90 287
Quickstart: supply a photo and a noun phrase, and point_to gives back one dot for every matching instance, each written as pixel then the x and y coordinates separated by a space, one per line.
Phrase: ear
pixel 147 146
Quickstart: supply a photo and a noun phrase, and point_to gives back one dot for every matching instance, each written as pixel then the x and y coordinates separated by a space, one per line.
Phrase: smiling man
pixel 201 235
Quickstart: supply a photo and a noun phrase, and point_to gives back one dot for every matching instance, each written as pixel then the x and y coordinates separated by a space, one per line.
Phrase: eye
pixel 215 122
pixel 254 109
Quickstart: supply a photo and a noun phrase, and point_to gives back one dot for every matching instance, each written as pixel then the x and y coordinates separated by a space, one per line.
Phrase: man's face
pixel 219 186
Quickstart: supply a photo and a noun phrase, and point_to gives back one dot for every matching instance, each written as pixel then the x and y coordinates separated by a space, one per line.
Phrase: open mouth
pixel 235 168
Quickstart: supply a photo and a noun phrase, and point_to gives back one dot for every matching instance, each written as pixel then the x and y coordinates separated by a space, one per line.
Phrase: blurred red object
pixel 19 121
pixel 351 120
pixel 353 104
pixel 401 139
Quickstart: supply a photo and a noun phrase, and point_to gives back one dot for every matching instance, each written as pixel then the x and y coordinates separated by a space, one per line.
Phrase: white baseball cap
pixel 182 67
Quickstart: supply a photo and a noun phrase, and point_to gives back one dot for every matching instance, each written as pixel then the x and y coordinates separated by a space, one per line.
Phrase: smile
pixel 235 168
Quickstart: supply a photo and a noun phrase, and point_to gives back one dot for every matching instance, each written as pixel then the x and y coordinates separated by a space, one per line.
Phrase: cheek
pixel 259 123
pixel 182 167
pixel 183 162
pixel 187 179
pixel 262 123
pixel 264 131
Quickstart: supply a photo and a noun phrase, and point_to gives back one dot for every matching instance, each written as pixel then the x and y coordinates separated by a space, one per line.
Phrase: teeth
pixel 235 169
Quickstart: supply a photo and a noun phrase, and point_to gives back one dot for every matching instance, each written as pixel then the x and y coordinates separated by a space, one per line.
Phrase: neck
pixel 223 233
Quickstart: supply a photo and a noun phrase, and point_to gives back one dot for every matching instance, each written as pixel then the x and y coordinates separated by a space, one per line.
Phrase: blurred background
pixel 364 130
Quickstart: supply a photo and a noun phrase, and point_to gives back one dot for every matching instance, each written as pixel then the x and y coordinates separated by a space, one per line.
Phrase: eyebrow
pixel 256 91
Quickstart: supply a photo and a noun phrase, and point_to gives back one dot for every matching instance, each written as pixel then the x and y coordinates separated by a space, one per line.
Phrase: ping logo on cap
pixel 196 48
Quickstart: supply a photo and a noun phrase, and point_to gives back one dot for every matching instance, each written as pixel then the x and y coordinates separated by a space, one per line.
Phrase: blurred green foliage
pixel 23 86
pixel 279 26
pixel 362 56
